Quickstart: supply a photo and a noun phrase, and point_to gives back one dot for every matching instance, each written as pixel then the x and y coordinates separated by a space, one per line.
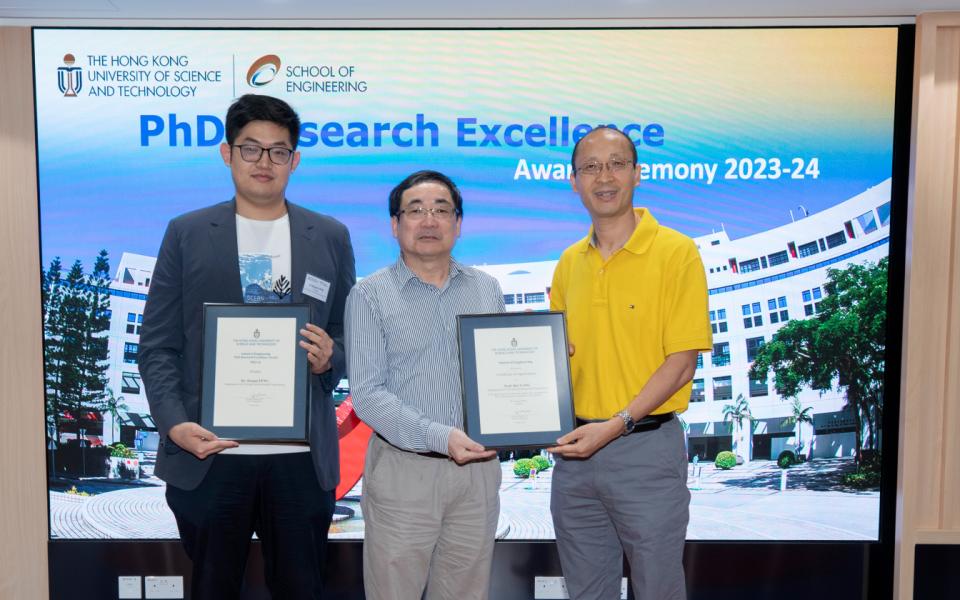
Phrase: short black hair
pixel 425 177
pixel 256 107
pixel 573 156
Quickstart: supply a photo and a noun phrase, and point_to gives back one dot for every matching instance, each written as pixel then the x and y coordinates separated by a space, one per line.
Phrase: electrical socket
pixel 129 587
pixel 165 587
pixel 549 588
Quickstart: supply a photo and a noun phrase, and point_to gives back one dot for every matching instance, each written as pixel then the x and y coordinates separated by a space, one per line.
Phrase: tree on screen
pixel 76 320
pixel 52 291
pixel 799 414
pixel 734 415
pixel 94 354
pixel 844 346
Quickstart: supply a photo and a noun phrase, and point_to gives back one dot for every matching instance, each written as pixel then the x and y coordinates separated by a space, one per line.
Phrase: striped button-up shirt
pixel 402 357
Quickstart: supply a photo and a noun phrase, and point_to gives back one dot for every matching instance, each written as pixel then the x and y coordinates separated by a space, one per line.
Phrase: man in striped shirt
pixel 430 493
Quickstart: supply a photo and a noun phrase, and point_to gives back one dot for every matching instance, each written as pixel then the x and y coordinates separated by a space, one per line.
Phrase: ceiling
pixel 425 12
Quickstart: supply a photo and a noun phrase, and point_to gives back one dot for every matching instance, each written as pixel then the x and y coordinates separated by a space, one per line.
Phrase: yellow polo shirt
pixel 626 314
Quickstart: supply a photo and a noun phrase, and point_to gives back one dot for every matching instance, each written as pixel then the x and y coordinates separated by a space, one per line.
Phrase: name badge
pixel 316 288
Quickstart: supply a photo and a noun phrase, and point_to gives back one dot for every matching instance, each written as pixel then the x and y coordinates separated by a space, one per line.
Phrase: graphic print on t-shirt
pixel 257 279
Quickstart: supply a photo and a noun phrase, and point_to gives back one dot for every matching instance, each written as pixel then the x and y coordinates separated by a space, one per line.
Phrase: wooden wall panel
pixel 23 497
pixel 928 488
pixel 948 73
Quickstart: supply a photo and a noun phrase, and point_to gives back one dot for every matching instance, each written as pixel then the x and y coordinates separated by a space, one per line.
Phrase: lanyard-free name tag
pixel 316 288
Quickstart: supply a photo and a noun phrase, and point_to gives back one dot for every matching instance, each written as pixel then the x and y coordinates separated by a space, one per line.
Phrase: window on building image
pixel 130 351
pixel 753 346
pixel 836 239
pixel 808 249
pixel 534 297
pixel 811 301
pixel 721 354
pixel 696 392
pixel 758 387
pixel 718 320
pixel 778 310
pixel 700 360
pixel 750 265
pixel 751 315
pixel 723 388
pixel 867 222
pixel 883 211
pixel 134 322
pixel 508 298
pixel 778 258
pixel 131 383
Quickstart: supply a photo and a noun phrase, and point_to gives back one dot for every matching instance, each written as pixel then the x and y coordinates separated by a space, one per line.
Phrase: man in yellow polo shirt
pixel 635 295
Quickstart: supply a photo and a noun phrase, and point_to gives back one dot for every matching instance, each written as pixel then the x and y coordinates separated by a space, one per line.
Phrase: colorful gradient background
pixel 740 93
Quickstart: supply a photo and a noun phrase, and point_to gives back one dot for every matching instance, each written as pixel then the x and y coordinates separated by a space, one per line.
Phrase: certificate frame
pixel 467 328
pixel 214 315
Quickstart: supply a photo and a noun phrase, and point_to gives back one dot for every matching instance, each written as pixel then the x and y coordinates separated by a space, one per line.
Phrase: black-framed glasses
pixel 251 153
pixel 616 165
pixel 419 213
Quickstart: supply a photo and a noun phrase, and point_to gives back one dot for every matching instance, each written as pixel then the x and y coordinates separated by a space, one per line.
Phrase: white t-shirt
pixel 263 248
pixel 264 251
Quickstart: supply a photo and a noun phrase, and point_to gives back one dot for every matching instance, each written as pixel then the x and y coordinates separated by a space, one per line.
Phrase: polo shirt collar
pixel 639 241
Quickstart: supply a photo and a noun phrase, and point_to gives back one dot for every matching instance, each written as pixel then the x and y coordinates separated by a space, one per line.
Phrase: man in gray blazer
pixel 255 248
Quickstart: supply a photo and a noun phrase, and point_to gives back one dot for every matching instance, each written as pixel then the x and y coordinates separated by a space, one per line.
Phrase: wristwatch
pixel 628 422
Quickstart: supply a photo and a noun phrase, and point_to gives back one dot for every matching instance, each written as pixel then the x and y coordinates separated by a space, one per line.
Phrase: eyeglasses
pixel 615 165
pixel 419 213
pixel 252 153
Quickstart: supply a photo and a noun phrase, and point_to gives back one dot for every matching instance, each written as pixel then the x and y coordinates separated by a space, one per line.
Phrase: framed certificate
pixel 255 374
pixel 515 373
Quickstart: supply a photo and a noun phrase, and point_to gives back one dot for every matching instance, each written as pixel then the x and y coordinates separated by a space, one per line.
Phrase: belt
pixel 648 423
pixel 423 454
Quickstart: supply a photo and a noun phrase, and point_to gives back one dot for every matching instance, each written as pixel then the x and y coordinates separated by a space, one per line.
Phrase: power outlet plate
pixel 163 587
pixel 555 588
pixel 129 587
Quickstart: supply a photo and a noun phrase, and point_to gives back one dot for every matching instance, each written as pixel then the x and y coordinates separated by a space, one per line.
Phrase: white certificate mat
pixel 254 372
pixel 516 380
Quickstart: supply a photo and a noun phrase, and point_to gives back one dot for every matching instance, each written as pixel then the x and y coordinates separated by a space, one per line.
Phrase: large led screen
pixel 772 148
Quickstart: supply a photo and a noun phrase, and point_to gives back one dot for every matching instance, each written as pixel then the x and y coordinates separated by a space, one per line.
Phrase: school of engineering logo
pixel 263 70
pixel 69 77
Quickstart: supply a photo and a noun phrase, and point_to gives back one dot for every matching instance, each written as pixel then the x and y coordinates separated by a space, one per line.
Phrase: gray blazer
pixel 198 263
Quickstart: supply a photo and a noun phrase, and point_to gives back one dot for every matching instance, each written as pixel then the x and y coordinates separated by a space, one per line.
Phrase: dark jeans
pixel 275 495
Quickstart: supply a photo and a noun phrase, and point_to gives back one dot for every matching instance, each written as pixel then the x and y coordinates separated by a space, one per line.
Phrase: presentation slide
pixel 771 148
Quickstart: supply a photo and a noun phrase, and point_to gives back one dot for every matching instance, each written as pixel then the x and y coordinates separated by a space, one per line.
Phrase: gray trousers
pixel 629 498
pixel 429 523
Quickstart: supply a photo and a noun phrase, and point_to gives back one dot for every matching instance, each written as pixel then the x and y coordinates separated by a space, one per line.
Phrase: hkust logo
pixel 263 70
pixel 69 77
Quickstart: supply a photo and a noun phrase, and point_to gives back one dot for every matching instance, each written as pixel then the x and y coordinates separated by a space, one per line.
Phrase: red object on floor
pixel 354 435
